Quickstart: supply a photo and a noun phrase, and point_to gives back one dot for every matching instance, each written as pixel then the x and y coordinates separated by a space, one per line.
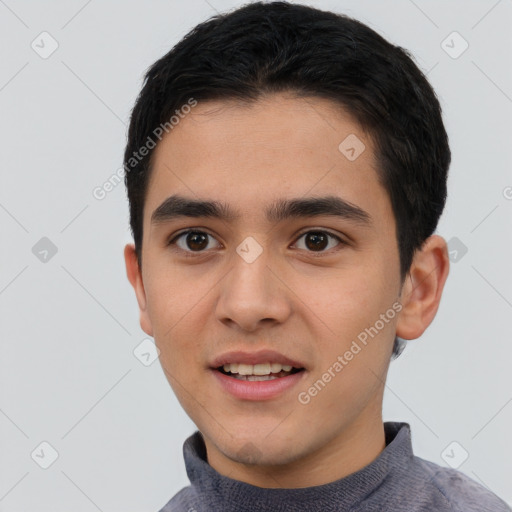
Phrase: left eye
pixel 197 241
pixel 317 240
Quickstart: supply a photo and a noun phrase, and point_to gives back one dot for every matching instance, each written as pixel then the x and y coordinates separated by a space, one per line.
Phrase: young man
pixel 286 169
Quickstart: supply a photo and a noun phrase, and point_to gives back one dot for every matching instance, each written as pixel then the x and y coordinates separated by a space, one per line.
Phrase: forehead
pixel 250 154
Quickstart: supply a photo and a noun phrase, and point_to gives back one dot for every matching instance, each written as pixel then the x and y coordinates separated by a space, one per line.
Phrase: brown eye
pixel 194 241
pixel 318 241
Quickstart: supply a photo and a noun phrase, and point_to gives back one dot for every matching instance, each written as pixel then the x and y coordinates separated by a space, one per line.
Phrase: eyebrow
pixel 177 206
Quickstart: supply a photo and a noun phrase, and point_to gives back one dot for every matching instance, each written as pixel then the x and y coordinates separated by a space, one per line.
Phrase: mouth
pixel 258 382
pixel 259 375
pixel 258 372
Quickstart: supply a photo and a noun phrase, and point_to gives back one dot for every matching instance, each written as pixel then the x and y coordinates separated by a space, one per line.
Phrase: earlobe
pixel 134 275
pixel 423 287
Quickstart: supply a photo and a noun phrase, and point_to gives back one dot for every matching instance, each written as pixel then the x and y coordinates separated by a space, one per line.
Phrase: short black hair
pixel 270 47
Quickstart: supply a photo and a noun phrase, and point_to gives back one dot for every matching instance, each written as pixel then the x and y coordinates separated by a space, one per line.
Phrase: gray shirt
pixel 396 480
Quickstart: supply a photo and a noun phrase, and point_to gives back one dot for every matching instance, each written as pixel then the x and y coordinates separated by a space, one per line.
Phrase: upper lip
pixel 261 356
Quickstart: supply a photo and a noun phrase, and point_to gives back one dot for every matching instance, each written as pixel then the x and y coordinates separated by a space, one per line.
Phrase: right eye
pixel 195 241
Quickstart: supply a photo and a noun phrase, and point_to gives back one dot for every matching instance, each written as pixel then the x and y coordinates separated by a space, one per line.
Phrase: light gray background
pixel 69 326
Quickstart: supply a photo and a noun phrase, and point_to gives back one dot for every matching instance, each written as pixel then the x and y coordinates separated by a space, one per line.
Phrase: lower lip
pixel 258 390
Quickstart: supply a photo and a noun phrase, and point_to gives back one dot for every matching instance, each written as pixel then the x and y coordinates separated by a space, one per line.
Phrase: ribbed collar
pixel 227 494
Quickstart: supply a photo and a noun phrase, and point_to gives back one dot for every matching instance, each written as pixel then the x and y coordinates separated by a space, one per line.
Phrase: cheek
pixel 346 298
pixel 348 308
pixel 171 294
pixel 173 306
pixel 356 347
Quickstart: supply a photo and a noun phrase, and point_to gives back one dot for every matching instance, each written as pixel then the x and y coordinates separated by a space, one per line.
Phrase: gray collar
pixel 227 494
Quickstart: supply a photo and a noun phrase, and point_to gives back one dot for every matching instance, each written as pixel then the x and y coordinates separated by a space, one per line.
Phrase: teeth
pixel 256 369
pixel 275 368
pixel 256 377
pixel 245 369
pixel 233 368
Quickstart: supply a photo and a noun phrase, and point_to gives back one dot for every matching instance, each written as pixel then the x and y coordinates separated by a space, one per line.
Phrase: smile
pixel 258 372
pixel 248 382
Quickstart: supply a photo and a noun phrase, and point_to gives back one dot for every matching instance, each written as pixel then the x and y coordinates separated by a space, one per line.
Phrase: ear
pixel 134 275
pixel 422 288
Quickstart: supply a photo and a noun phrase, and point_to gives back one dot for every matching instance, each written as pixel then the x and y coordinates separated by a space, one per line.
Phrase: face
pixel 271 283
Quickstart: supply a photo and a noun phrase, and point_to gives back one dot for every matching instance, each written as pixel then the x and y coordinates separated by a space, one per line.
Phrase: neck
pixel 353 448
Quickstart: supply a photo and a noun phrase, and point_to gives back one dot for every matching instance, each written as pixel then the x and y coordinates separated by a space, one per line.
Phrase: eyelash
pixel 192 254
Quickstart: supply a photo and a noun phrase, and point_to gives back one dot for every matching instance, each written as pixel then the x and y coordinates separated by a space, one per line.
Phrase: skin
pixel 307 306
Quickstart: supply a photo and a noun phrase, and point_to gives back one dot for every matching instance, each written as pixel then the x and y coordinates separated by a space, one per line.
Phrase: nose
pixel 253 294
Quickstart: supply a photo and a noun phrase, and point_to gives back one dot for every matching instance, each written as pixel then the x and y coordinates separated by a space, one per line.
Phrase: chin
pixel 261 450
pixel 253 454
